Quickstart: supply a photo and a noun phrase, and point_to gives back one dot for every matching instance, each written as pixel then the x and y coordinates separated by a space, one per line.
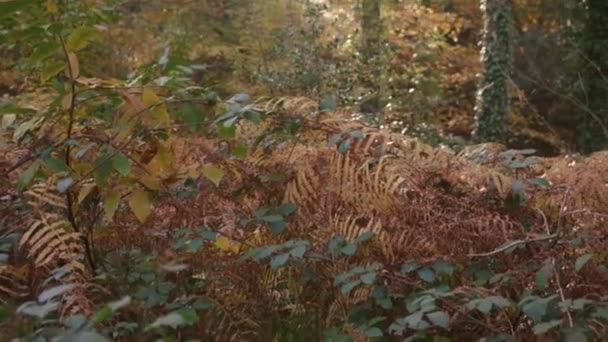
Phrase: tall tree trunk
pixel 374 55
pixel 371 29
pixel 592 134
pixel 496 52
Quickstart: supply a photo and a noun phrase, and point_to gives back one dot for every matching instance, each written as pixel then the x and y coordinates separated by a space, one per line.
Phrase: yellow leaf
pixel 110 204
pixel 51 69
pixel 158 114
pixel 140 205
pixel 149 97
pixel 80 38
pixel 51 6
pixel 213 173
pixel 85 190
pixel 162 163
pixel 223 243
pixel 150 182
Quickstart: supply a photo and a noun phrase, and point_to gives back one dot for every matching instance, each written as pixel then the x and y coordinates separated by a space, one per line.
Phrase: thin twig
pixel 513 245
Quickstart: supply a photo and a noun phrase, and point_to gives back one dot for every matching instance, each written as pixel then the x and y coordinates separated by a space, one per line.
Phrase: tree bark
pixel 496 53
pixel 591 133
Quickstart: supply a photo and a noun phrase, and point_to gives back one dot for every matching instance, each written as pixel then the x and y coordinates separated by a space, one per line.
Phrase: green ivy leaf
pixel 368 278
pixel 410 266
pixel 364 237
pixel 286 209
pixel 349 249
pixel 276 227
pixel 442 266
pixel 279 260
pixel 541 278
pixel 346 288
pixel 439 319
pixel 427 274
pixel 374 332
pixel 298 252
pixel 544 327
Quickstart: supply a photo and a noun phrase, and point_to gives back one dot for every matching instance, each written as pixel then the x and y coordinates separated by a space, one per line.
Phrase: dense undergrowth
pixel 152 208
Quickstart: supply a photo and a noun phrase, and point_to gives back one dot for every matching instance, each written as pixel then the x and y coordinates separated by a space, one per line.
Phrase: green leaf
pixel 485 306
pixel 240 151
pixel 286 209
pixel 298 252
pixel 9 7
pixel 80 38
pixel 28 175
pixel 53 292
pixel 75 322
pixel 272 218
pixel 3 313
pixel 542 182
pixel 175 319
pixel 140 205
pixel 346 288
pixel 102 314
pixel 121 163
pixel 56 165
pixel 334 139
pixel 191 116
pixel 43 51
pixel 582 261
pixel 410 266
pixel 226 132
pixel 439 319
pixel 427 274
pixel 213 173
pixel 541 277
pixel 103 170
pixel 279 260
pixel 374 332
pixel 344 145
pixel 327 104
pixel 442 266
pixel 349 249
pixel 544 327
pixel 357 134
pixel 364 237
pixel 51 69
pixel 368 278
pixel 276 227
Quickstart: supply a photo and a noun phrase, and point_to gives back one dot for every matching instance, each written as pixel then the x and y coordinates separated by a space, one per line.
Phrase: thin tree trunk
pixel 591 134
pixel 496 53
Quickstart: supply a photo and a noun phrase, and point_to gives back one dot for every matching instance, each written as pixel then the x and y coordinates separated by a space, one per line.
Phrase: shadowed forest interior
pixel 303 170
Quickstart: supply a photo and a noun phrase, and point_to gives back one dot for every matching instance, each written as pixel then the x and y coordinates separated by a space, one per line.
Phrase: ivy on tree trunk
pixel 593 126
pixel 496 52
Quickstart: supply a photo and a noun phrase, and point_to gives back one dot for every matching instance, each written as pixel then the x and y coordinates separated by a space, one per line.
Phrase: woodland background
pixel 303 170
